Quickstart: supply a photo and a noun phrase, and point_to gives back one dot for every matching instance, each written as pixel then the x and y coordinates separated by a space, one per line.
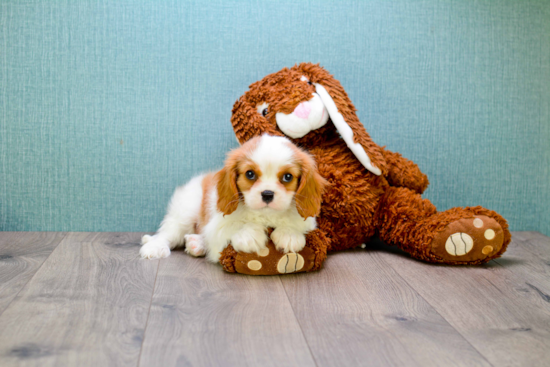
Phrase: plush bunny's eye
pixel 304 79
pixel 262 109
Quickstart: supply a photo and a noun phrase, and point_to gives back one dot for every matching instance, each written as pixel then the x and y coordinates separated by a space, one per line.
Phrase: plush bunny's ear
pixel 346 131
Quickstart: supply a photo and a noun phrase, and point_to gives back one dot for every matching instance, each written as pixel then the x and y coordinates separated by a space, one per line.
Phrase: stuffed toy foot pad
pixel 473 240
pixel 269 261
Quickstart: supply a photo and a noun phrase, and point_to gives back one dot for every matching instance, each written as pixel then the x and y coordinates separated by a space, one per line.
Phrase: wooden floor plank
pixel 358 311
pixel 202 316
pixel 21 255
pixel 491 306
pixel 86 306
pixel 529 258
pixel 536 244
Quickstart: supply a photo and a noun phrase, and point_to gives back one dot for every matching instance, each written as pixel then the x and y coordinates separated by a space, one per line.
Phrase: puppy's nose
pixel 303 110
pixel 267 196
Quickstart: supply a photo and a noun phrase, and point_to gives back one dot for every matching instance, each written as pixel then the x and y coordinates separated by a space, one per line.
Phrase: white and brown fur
pixel 216 209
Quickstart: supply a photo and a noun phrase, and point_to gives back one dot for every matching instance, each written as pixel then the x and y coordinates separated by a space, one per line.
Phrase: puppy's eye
pixel 264 112
pixel 309 82
pixel 287 177
pixel 250 175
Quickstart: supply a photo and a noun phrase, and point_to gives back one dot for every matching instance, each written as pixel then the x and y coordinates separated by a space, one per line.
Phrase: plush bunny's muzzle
pixel 307 116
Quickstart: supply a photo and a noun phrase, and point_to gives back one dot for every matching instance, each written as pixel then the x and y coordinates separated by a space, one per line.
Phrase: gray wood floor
pixel 86 299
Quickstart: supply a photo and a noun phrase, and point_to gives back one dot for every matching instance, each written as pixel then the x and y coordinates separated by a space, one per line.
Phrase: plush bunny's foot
pixel 456 236
pixel 269 261
pixel 469 240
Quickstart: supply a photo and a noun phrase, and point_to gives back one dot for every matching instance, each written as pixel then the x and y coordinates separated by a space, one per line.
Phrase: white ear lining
pixel 345 131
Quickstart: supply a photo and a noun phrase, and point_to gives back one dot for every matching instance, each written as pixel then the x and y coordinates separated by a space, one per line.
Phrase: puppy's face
pixel 270 173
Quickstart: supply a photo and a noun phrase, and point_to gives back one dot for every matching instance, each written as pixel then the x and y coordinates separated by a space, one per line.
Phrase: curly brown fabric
pixel 409 175
pixel 358 204
pixel 317 241
pixel 227 259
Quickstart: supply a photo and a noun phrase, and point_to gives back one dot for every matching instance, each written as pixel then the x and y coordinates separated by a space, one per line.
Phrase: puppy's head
pixel 270 173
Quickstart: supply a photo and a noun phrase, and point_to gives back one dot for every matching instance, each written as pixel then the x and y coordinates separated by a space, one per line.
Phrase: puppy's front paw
pixel 288 240
pixel 252 238
pixel 154 248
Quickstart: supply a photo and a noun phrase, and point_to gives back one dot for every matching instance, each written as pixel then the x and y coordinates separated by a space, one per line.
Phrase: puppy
pixel 267 182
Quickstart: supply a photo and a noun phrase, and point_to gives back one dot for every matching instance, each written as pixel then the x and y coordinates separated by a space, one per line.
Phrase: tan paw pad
pixel 487 250
pixel 489 234
pixel 459 244
pixel 290 263
pixel 254 265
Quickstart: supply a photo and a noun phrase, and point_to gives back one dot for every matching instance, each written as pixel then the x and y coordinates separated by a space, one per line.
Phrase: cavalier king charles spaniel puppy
pixel 267 182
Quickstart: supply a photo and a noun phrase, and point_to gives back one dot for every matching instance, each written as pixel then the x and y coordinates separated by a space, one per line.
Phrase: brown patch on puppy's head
pixel 245 183
pixel 295 171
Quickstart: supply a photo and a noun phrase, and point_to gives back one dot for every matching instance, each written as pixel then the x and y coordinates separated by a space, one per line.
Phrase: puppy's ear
pixel 228 194
pixel 311 187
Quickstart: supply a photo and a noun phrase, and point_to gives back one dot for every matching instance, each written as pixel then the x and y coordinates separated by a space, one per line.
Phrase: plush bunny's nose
pixel 303 110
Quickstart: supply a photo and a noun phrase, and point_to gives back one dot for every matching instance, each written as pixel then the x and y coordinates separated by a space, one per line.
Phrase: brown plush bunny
pixel 371 191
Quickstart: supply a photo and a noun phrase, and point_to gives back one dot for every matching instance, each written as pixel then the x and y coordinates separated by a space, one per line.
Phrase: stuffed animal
pixel 372 191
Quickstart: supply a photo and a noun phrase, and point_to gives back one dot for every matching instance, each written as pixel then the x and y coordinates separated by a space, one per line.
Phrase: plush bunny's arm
pixel 404 173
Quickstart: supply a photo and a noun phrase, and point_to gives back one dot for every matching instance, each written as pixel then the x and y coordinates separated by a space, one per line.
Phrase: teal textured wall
pixel 106 106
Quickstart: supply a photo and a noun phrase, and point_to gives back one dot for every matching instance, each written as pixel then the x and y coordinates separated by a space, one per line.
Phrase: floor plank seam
pixel 36 272
pixel 436 311
pixel 299 325
pixel 148 312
